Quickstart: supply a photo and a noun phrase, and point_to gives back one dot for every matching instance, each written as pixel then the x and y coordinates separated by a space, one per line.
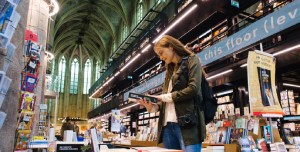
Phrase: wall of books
pixel 29 79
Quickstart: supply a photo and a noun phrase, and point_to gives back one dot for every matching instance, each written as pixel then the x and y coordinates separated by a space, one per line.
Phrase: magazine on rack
pixel 134 96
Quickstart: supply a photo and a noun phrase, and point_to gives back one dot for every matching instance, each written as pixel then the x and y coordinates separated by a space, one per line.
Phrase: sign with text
pixel 69 147
pixel 275 22
pixel 263 97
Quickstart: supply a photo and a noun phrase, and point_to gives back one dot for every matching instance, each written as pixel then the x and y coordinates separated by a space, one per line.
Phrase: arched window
pixel 61 74
pixel 139 13
pixel 74 76
pixel 87 76
pixel 97 71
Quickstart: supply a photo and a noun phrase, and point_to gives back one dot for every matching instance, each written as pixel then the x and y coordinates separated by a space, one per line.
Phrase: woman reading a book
pixel 181 125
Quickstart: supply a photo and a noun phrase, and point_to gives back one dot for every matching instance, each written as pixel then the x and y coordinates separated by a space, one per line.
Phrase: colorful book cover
pixel 252 142
pixel 23 139
pixel 261 144
pixel 245 144
pixel 27 101
pixel 251 124
pixel 226 123
pixel 25 120
pixel 236 134
pixel 227 141
pixel 5 14
pixel 267 134
pixel 241 123
pixel 30 83
pixel 221 135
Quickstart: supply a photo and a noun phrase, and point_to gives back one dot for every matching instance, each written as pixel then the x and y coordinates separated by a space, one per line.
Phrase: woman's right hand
pixel 145 103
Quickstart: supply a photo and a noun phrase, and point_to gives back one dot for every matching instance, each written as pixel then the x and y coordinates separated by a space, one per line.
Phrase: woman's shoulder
pixel 193 58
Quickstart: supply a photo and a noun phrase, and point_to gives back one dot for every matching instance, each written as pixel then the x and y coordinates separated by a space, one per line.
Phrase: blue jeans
pixel 172 139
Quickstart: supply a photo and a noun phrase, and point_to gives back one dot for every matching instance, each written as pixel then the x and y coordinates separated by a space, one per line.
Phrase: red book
pixel 29 35
pixel 226 124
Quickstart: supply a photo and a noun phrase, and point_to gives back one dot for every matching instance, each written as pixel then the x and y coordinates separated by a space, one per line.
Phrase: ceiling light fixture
pixel 55 7
pixel 110 79
pixel 287 50
pixel 175 23
pixel 146 48
pixel 291 85
pixel 117 73
pixel 133 59
pixel 243 65
pixel 224 92
pixel 129 106
pixel 217 75
pixel 204 34
pixel 94 94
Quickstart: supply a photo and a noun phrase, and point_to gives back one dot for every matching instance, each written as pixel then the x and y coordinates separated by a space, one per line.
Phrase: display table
pixel 155 149
pixel 227 147
pixel 69 146
pixel 136 143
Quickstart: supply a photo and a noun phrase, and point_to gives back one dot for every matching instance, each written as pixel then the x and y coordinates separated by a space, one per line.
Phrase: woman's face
pixel 165 54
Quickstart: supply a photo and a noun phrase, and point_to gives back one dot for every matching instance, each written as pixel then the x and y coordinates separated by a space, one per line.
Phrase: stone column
pixel 11 102
pixel 37 22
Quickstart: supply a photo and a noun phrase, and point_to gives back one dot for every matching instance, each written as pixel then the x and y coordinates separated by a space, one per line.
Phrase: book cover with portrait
pixel 267 133
pixel 221 135
pixel 265 87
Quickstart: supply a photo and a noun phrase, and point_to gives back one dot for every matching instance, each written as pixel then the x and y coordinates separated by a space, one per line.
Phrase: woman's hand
pixel 158 97
pixel 145 103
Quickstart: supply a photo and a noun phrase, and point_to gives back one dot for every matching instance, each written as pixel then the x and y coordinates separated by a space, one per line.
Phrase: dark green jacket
pixel 183 94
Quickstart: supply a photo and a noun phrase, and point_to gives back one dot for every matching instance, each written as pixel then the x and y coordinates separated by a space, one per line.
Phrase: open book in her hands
pixel 134 96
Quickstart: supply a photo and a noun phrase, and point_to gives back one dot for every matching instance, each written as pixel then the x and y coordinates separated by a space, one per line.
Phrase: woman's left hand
pixel 158 97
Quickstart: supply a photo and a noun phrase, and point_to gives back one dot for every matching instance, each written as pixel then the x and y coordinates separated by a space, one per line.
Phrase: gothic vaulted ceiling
pixel 89 26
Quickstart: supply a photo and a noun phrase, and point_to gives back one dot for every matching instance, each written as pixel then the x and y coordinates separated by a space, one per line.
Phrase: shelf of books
pixel 43 120
pixel 290 123
pixel 126 121
pixel 225 105
pixel 147 126
pixel 246 132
